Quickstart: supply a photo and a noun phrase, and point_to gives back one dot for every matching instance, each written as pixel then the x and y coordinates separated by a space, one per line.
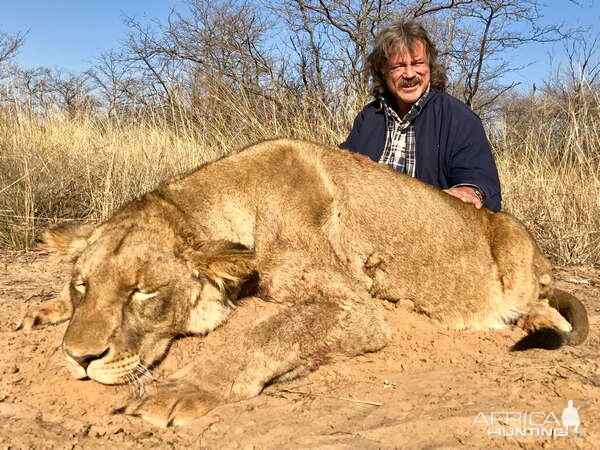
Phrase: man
pixel 416 127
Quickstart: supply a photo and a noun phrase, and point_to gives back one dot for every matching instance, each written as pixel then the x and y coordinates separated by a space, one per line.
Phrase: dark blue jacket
pixel 452 147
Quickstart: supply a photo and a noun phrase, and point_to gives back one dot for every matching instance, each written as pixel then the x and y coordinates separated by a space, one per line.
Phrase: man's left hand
pixel 466 194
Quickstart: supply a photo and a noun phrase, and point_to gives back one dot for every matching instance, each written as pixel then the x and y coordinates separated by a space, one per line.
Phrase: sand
pixel 430 388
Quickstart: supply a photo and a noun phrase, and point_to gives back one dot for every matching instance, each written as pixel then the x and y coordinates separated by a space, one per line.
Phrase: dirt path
pixel 432 384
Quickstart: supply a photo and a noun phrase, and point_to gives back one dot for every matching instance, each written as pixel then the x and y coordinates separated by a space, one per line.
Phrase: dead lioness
pixel 323 232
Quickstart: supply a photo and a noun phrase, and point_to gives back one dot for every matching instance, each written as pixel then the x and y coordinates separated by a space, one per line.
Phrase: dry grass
pixel 83 169
pixel 549 162
pixel 59 168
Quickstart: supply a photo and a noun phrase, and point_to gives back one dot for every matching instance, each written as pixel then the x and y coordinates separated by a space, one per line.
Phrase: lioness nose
pixel 85 360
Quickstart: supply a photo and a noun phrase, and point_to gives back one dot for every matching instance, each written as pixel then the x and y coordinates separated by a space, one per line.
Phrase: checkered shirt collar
pixel 386 100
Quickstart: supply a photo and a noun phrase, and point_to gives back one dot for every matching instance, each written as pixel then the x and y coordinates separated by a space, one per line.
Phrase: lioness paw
pixel 174 405
pixel 541 316
pixel 49 313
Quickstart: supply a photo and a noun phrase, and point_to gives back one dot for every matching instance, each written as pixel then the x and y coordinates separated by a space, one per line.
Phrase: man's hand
pixel 466 194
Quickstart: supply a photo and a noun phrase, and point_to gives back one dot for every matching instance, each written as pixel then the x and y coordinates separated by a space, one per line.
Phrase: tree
pixel 583 60
pixel 73 92
pixel 112 78
pixel 9 46
pixel 487 30
pixel 217 40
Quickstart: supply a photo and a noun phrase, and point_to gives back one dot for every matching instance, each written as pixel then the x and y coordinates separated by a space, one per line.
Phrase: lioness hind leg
pixel 559 320
pixel 49 313
pixel 545 326
pixel 542 315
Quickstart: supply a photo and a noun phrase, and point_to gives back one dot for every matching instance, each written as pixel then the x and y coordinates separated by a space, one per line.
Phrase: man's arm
pixel 367 136
pixel 354 136
pixel 472 166
pixel 468 194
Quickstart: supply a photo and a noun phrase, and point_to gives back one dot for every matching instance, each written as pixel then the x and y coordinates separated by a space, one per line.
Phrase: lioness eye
pixel 142 296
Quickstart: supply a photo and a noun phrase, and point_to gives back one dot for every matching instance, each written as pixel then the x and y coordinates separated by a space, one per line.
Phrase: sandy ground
pixel 432 385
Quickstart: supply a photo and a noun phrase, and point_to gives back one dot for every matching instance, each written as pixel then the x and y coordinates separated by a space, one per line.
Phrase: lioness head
pixel 135 288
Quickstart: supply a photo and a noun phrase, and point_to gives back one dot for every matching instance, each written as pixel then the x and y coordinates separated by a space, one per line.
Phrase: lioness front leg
pixel 302 338
pixel 288 344
pixel 52 312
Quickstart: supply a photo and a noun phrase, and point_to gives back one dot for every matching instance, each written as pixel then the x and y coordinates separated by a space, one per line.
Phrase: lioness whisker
pixel 144 375
pixel 136 383
pixel 144 372
pixel 129 381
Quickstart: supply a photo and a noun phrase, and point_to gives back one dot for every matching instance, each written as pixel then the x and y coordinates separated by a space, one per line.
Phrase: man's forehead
pixel 398 50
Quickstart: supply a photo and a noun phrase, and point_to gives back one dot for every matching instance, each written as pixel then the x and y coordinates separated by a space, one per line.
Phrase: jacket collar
pixel 387 99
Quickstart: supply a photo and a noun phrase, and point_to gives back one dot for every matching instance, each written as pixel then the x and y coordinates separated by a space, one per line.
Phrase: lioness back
pixel 383 225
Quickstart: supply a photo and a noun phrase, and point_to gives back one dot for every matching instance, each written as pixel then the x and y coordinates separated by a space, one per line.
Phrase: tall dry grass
pixel 549 160
pixel 59 168
pixel 69 169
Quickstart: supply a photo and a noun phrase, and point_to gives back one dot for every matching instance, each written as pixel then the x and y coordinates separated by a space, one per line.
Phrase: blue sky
pixel 68 34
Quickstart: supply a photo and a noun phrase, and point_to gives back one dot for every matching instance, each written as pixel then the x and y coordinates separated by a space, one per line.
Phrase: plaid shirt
pixel 400 143
pixel 447 155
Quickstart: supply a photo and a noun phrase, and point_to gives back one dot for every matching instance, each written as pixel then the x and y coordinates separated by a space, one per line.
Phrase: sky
pixel 68 34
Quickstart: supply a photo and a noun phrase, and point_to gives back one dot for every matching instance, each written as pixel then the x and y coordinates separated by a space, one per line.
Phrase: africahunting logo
pixel 538 423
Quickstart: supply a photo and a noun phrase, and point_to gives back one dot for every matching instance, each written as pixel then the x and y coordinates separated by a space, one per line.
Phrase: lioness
pixel 321 231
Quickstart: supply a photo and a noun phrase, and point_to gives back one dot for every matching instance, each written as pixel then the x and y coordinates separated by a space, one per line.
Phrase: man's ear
pixel 229 265
pixel 67 242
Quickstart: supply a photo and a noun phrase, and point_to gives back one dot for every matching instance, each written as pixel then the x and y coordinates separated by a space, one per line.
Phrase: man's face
pixel 407 74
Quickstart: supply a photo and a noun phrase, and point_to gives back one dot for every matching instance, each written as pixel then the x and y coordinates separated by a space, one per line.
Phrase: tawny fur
pixel 318 230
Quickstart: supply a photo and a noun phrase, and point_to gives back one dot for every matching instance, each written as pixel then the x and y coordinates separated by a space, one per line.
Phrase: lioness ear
pixel 67 241
pixel 229 265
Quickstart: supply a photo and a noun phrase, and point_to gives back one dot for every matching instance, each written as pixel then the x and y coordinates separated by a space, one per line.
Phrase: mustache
pixel 405 82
